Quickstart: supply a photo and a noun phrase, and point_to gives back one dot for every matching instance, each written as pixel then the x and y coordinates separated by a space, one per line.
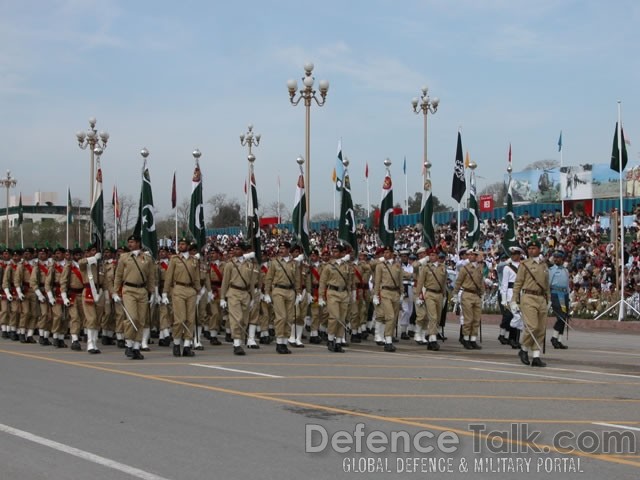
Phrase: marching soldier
pixel 36 282
pixel 216 267
pixel 300 310
pixel 282 288
pixel 315 271
pixel 238 280
pixel 5 258
pixel 559 284
pixel 72 284
pixel 361 276
pixel 421 308
pixel 336 284
pixel 387 295
pixel 136 278
pixel 203 296
pixel 266 309
pixel 256 304
pixel 11 294
pixel 471 282
pixel 21 282
pixel 509 274
pixel 431 290
pixel 407 295
pixel 182 283
pixel 52 286
pixel 163 310
pixel 108 275
pixel 531 298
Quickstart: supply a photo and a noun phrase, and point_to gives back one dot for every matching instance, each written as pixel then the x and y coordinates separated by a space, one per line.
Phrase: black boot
pixel 389 347
pixel 136 355
pixel 466 344
pixel 45 342
pixel 176 350
pixel 238 350
pixel 556 344
pixel 228 338
pixel 4 334
pixel 14 336
pixel 121 343
pixel 355 338
pixel 433 346
pixel 75 345
pixel 314 340
pixel 214 341
pixel 30 340
pixel 22 338
pixel 331 345
pixel 524 357
pixel 128 352
pixel 187 352
pixel 503 340
pixel 474 345
pixel 537 362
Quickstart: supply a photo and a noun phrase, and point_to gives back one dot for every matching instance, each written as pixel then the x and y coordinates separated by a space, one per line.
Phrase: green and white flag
pixel 347 226
pixel 97 212
pixel 20 211
pixel 473 223
pixel 299 218
pixel 253 230
pixel 510 239
pixel 146 224
pixel 385 226
pixel 196 210
pixel 426 216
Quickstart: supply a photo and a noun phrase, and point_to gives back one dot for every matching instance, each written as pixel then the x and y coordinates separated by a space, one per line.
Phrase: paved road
pixel 70 415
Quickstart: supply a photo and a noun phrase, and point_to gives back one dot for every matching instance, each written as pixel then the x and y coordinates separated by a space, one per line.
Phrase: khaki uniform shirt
pixel 135 270
pixel 470 279
pixel 387 277
pixel 282 274
pixel 182 271
pixel 336 277
pixel 532 274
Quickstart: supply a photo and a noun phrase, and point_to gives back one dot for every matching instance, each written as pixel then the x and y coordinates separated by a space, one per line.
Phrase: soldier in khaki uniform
pixel 26 297
pixel 136 278
pixel 359 310
pixel 295 338
pixel 216 267
pixel 164 320
pixel 336 284
pixel 13 310
pixel 432 282
pixel 203 296
pixel 256 304
pixel 282 288
pixel 108 273
pixel 386 296
pixel 72 289
pixel 531 296
pixel 54 294
pixel 182 283
pixel 36 282
pixel 5 258
pixel 420 307
pixel 265 319
pixel 313 284
pixel 471 282
pixel 236 292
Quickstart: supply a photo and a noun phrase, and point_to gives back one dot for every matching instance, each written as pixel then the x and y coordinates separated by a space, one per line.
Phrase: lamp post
pixel 7 182
pixel 307 93
pixel 92 139
pixel 249 140
pixel 425 105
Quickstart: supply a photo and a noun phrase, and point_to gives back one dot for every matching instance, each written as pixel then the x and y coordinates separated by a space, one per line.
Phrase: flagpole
pixel 21 237
pixel 334 203
pixel 68 196
pixel 115 217
pixel 406 188
pixel 368 200
pixel 621 228
pixel 278 211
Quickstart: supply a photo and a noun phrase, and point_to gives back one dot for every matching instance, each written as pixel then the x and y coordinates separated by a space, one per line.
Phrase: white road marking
pixel 617 353
pixel 534 375
pixel 76 452
pixel 215 367
pixel 595 372
pixel 617 426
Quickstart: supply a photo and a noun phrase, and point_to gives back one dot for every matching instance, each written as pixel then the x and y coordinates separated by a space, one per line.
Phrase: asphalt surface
pixel 71 415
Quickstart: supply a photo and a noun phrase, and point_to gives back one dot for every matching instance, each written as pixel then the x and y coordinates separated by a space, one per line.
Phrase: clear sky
pixel 174 76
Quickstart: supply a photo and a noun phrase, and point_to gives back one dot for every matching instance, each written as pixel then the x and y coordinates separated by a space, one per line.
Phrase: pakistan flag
pixel 347 228
pixel 385 226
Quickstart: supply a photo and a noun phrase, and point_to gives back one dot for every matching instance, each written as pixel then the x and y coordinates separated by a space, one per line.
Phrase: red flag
pixel 245 187
pixel 366 170
pixel 174 195
pixel 509 154
pixel 115 202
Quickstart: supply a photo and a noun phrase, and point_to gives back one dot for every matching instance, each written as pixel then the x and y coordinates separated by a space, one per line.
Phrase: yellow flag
pixel 334 177
pixel 466 160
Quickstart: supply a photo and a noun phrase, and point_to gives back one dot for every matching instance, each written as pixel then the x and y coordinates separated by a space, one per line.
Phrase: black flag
pixel 459 185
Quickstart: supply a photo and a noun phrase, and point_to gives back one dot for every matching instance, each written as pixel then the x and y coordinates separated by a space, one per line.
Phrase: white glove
pixel 251 304
pixel 165 299
pixel 40 296
pixel 299 258
pixel 354 296
pixel 249 256
pixel 65 299
pixel 514 308
pixel 505 303
pixel 322 302
pixel 92 260
pixel 419 302
pixel 223 304
pixel 455 300
pixel 376 300
pixel 52 300
pixel 116 298
pixel 197 256
pixel 346 258
pixel 309 298
pixel 8 294
pixel 210 297
pixel 298 299
pixel 97 299
pixel 152 298
pixel 97 256
pixel 20 294
pixel 267 299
